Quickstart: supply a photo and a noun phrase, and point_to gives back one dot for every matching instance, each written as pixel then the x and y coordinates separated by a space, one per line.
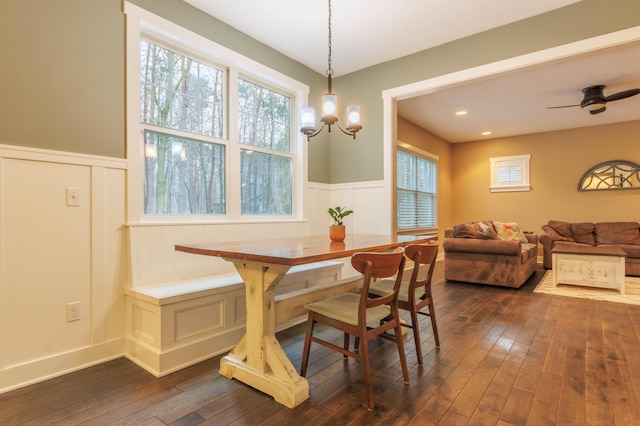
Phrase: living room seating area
pixel 625 235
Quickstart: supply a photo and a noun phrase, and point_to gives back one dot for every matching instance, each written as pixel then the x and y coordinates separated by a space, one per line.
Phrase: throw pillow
pixel 486 230
pixel 510 231
pixel 555 234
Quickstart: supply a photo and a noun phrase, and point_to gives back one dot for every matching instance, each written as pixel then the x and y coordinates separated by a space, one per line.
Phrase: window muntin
pixel 416 191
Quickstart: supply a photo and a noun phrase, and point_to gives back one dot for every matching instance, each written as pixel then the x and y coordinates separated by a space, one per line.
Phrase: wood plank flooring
pixel 507 357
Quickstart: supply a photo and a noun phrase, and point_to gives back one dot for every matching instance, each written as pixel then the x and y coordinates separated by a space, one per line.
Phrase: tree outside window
pixel 183 112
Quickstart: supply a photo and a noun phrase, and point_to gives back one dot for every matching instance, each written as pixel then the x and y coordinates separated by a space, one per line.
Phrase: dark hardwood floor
pixel 508 357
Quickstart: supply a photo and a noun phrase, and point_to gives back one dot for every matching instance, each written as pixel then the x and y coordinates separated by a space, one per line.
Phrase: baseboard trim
pixel 28 373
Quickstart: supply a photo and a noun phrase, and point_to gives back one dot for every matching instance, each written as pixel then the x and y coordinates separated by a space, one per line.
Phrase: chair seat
pixel 345 313
pixel 344 308
pixel 382 287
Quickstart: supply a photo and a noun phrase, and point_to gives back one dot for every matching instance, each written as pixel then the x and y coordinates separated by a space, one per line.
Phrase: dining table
pixel 258 359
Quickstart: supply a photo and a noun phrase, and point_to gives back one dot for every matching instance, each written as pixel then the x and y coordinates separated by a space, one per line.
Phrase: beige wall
pixel 558 161
pixel 413 135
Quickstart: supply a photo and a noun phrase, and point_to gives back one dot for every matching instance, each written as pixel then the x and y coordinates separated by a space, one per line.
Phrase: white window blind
pixel 511 173
pixel 416 191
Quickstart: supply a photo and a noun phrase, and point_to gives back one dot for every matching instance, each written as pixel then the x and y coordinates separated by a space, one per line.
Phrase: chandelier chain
pixel 329 115
pixel 329 69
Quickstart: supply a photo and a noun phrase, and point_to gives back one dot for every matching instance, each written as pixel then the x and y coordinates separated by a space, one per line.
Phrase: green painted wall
pixel 63 65
pixel 363 160
pixel 62 75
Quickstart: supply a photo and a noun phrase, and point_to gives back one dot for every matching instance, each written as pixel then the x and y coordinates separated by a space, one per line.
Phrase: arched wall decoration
pixel 614 174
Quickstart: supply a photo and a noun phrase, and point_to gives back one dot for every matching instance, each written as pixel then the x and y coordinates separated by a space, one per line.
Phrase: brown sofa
pixel 625 235
pixel 489 260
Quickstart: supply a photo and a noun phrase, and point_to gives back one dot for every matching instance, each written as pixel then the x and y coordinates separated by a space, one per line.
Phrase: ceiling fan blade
pixel 598 111
pixel 622 95
pixel 562 106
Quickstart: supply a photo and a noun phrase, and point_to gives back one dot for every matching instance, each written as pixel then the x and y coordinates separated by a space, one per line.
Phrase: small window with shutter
pixel 510 173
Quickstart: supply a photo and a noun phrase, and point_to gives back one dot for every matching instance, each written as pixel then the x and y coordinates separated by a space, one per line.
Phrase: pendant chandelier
pixel 329 108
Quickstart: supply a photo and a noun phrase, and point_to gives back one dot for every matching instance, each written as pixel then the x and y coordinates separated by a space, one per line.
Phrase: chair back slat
pixel 381 265
pixel 421 254
pixel 376 266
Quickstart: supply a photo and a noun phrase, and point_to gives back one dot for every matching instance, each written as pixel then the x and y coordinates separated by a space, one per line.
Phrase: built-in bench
pixel 173 323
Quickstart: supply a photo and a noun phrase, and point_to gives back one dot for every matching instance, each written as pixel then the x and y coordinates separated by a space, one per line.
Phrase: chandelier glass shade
pixel 329 108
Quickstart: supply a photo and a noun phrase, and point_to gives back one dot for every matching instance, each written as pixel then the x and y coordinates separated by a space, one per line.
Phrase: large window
pixel 213 128
pixel 416 199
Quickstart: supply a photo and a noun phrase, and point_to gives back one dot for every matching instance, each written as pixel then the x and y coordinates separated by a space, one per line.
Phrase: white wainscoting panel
pixel 53 254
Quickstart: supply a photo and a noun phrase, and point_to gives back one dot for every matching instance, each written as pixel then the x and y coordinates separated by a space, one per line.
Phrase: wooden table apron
pixel 258 359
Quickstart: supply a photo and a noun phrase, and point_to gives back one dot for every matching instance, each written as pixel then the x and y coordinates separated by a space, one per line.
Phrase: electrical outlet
pixel 73 311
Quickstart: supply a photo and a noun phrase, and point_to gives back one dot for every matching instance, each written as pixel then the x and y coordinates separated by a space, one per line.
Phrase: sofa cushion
pixel 483 230
pixel 582 232
pixel 617 233
pixel 465 230
pixel 562 228
pixel 632 251
pixel 557 236
pixel 528 251
pixel 509 231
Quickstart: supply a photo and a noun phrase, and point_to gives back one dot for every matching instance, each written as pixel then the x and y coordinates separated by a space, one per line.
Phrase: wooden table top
pixel 300 250
pixel 592 250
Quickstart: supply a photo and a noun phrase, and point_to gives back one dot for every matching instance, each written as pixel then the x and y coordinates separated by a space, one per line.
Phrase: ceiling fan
pixel 595 101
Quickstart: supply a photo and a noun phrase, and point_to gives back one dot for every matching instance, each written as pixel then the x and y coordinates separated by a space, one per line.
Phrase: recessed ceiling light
pixel 461 112
pixel 487 133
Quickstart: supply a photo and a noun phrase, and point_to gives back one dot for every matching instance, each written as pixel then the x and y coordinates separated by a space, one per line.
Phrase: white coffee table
pixel 589 266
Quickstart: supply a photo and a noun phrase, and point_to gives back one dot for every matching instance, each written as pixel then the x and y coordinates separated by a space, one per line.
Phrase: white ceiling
pixel 368 32
pixel 515 103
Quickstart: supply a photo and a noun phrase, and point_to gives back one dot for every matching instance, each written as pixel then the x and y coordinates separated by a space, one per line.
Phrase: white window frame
pixel 142 23
pixel 502 163
pixel 412 150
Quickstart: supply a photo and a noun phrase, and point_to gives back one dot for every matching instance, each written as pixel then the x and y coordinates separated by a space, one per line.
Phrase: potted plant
pixel 337 230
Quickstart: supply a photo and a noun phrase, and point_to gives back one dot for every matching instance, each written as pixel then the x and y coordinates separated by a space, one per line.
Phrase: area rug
pixel 631 296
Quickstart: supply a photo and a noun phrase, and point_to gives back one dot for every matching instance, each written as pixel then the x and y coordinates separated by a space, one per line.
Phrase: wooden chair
pixel 352 312
pixel 416 294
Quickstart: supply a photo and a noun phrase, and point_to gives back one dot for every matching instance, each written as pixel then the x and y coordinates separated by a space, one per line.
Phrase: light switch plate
pixel 73 197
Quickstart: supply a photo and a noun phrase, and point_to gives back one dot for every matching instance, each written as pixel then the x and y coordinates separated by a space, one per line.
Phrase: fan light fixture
pixel 594 100
pixel 329 108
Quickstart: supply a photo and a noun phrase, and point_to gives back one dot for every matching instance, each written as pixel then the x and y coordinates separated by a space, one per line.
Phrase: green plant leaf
pixel 338 213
